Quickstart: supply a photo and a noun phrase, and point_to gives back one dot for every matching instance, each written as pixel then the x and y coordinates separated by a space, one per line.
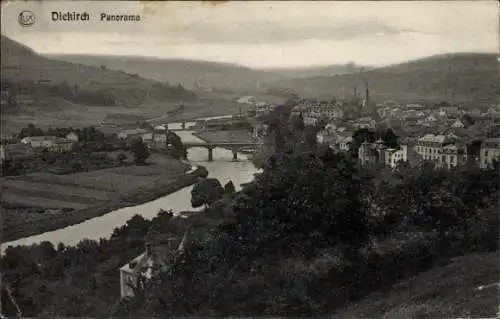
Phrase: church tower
pixel 366 100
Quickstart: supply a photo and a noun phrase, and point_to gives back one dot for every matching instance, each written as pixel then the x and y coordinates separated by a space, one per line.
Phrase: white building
pixel 143 267
pixel 458 124
pixel 453 155
pixel 345 143
pixel 159 134
pixel 72 137
pixel 51 143
pixel 429 146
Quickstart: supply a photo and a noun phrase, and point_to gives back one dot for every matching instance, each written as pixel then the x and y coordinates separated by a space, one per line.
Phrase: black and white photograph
pixel 250 159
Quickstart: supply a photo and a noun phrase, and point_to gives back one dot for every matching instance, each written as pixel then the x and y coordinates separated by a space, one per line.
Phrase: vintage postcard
pixel 334 159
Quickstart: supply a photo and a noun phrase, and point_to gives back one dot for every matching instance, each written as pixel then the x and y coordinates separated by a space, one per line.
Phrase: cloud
pixel 276 33
pixel 265 33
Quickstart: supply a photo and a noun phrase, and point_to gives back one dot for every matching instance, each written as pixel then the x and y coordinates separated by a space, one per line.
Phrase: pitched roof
pixel 433 138
pixel 133 131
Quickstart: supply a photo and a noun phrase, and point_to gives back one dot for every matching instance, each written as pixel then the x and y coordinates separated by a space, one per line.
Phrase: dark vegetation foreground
pixel 314 234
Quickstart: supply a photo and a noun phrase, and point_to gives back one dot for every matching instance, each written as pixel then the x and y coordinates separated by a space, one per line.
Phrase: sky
pixel 262 34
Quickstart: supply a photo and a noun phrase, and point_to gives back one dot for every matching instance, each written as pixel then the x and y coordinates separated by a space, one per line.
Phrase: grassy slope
pixel 20 63
pixel 447 291
pixel 472 76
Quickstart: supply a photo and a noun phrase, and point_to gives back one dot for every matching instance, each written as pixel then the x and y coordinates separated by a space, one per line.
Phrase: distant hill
pixel 466 77
pixel 204 74
pixel 21 64
pixel 329 70
pixel 191 74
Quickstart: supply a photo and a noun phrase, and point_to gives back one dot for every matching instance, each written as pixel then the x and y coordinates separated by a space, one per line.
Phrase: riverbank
pixel 141 195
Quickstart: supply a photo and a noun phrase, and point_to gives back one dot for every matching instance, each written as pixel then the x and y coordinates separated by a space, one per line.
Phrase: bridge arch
pixel 235 148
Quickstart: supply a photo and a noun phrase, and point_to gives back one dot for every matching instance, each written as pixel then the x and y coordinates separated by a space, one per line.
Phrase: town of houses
pixel 447 134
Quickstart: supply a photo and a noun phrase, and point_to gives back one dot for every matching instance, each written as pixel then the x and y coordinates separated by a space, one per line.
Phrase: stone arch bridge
pixel 235 147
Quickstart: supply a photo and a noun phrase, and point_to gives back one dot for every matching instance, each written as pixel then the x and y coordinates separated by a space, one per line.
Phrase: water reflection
pixel 222 168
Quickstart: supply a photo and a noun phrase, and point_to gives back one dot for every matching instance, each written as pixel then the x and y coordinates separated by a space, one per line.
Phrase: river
pixel 222 168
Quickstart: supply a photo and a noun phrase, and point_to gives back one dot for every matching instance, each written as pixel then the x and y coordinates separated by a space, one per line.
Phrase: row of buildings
pixel 155 138
pixel 446 151
pixel 33 144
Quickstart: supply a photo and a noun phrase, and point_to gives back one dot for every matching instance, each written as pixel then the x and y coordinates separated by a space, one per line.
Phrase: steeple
pixel 367 94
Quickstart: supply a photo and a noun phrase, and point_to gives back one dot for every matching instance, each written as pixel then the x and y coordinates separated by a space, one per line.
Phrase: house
pixel 368 153
pixel 490 150
pixel 447 108
pixel 384 111
pixel 51 143
pixel 326 137
pixel 159 135
pixel 143 267
pixel 72 137
pixel 396 158
pixel 310 121
pixel 319 109
pixel 429 119
pixel 453 155
pixel 330 128
pixel 458 124
pixel 148 139
pixel 161 252
pixel 429 146
pixel 345 142
pixel 131 134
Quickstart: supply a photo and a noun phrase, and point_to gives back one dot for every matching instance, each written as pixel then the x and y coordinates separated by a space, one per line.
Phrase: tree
pixel 178 148
pixel 229 188
pixel 360 136
pixel 389 138
pixel 140 151
pixel 31 130
pixel 298 123
pixel 315 203
pixel 206 192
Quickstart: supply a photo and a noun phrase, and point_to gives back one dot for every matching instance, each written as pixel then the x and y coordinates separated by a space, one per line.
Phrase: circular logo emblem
pixel 26 18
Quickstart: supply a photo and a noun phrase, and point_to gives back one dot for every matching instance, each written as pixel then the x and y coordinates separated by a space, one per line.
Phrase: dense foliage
pixel 178 150
pixel 206 192
pixel 70 281
pixel 31 130
pixel 140 151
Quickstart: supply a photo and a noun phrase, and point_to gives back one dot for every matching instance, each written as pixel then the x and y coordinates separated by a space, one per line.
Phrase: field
pixel 84 189
pixel 39 202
